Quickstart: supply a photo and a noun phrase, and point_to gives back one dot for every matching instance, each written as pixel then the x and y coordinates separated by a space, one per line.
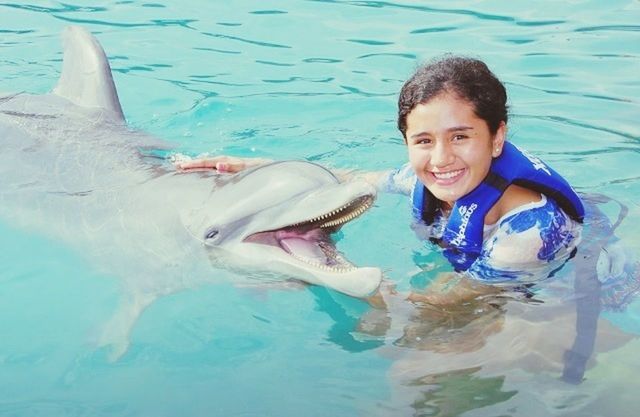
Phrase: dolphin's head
pixel 280 217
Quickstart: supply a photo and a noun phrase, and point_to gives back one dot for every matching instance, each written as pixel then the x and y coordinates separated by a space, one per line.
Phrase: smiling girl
pixel 500 213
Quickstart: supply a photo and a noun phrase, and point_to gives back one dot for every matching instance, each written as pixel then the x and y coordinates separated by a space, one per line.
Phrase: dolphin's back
pixel 73 140
pixel 49 143
pixel 70 148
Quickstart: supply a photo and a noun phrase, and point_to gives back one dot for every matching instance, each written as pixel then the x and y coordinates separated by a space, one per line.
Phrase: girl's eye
pixel 423 141
pixel 459 137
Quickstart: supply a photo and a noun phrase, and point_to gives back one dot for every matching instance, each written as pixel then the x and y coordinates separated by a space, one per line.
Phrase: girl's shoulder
pixel 532 237
pixel 512 199
pixel 543 226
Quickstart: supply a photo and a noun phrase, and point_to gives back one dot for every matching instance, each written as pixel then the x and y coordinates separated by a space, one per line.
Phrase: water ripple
pixel 610 55
pixel 381 4
pixel 160 22
pixel 569 93
pixel 370 42
pixel 249 41
pixel 203 80
pixel 521 41
pixel 630 180
pixel 544 75
pixel 126 70
pixel 307 79
pixel 568 121
pixel 288 94
pixel 277 64
pixel 268 12
pixel 222 51
pixel 587 55
pixel 621 28
pixel 17 32
pixel 434 30
pixel 399 55
pixel 540 22
pixel 66 8
pixel 593 152
pixel 321 60
pixel 608 98
pixel 355 90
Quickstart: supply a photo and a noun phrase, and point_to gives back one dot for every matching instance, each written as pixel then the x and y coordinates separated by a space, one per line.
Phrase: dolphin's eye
pixel 211 234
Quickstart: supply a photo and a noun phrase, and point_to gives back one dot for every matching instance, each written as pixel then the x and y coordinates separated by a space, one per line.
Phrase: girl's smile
pixel 448 178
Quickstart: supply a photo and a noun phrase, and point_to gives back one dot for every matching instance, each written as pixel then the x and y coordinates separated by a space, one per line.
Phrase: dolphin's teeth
pixel 364 204
pixel 335 269
pixel 347 217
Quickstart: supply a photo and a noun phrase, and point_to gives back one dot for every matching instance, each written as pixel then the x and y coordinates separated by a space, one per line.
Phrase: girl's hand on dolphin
pixel 221 163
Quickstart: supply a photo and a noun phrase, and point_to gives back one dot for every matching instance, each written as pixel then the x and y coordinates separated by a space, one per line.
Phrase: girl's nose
pixel 442 154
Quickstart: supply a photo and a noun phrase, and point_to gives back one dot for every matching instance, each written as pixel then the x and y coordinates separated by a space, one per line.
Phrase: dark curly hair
pixel 469 78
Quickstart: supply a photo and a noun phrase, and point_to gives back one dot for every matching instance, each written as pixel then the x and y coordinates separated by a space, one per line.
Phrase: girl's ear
pixel 498 140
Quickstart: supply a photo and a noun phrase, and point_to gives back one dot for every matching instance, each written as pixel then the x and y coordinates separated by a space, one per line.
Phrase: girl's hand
pixel 221 163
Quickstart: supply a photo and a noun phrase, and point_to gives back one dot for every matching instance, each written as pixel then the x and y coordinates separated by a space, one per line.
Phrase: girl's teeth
pixel 446 175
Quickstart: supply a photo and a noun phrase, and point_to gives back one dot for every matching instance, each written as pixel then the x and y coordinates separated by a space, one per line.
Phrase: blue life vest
pixel 463 233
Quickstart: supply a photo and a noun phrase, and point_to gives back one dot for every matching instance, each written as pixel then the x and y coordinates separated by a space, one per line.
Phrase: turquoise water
pixel 318 80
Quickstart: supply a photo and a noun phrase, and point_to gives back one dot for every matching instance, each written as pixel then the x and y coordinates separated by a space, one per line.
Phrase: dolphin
pixel 72 170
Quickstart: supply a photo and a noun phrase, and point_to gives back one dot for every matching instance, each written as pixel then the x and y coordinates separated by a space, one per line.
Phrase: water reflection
pixel 342 332
pixel 453 329
pixel 453 393
pixel 447 358
pixel 446 361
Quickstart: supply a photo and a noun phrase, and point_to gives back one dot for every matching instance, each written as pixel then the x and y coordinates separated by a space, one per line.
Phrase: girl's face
pixel 450 148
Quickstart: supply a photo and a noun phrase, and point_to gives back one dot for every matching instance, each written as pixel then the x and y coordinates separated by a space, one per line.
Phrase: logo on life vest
pixel 537 162
pixel 465 215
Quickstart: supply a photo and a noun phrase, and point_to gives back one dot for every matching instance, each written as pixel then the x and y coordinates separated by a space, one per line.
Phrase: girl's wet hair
pixel 468 78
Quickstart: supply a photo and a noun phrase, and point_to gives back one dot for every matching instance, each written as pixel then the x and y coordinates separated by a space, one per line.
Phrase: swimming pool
pixel 318 80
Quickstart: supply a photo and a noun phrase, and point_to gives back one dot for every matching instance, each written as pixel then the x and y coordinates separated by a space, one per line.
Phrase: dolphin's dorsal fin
pixel 86 75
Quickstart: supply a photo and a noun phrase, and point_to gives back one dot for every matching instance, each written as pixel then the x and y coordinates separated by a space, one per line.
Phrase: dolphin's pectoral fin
pixel 86 78
pixel 117 331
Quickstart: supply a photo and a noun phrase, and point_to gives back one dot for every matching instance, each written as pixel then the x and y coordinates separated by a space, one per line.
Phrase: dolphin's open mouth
pixel 310 241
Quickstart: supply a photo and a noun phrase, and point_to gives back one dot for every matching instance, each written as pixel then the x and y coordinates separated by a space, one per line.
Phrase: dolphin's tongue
pixel 304 249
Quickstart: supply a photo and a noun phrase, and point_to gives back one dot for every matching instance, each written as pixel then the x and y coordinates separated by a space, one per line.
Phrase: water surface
pixel 318 80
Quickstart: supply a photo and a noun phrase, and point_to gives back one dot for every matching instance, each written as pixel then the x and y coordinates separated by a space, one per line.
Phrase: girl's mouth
pixel 449 177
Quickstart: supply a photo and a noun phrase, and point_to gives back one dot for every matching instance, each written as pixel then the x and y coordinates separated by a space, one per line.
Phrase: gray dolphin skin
pixel 71 169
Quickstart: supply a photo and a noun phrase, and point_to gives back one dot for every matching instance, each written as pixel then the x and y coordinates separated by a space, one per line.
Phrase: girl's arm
pixel 232 164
